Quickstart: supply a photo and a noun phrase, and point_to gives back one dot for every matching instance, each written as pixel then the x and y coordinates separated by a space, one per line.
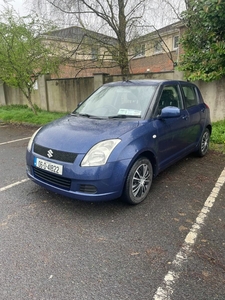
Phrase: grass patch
pixel 218 132
pixel 23 114
pixel 217 141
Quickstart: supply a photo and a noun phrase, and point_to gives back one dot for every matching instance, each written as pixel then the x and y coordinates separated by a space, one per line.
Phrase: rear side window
pixel 190 95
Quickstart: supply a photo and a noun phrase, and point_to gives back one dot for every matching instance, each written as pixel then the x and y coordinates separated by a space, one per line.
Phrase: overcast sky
pixel 164 17
pixel 18 5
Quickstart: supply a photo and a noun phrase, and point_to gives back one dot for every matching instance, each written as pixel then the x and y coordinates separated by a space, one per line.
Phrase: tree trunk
pixel 123 51
pixel 30 102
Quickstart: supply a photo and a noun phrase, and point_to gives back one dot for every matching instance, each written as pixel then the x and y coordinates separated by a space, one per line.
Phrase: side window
pixel 175 42
pixel 191 96
pixel 170 97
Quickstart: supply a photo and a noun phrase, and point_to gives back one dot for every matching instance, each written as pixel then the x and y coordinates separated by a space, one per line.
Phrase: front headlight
pixel 29 146
pixel 99 153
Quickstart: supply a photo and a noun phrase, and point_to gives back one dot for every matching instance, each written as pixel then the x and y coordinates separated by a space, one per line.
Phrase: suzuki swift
pixel 117 140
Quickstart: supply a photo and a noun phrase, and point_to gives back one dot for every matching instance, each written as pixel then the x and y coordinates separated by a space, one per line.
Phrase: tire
pixel 203 146
pixel 138 182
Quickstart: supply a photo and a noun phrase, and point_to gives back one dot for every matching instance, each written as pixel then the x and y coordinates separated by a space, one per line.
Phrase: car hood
pixel 79 134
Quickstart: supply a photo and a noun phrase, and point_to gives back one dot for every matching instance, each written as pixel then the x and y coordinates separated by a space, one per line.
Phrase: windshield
pixel 118 101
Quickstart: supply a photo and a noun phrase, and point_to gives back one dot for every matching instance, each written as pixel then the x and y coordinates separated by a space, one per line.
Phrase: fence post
pixel 178 75
pixel 99 79
pixel 2 94
pixel 43 91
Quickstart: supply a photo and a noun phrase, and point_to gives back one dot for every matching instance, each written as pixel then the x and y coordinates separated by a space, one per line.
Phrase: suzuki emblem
pixel 50 153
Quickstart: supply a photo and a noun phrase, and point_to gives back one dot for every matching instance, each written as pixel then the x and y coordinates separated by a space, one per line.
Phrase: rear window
pixel 191 96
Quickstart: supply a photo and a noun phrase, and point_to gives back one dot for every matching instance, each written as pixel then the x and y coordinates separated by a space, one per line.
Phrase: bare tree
pixel 118 17
pixel 121 19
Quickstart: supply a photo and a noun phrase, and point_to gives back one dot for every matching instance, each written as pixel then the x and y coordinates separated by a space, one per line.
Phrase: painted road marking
pixel 14 141
pixel 18 182
pixel 13 184
pixel 165 291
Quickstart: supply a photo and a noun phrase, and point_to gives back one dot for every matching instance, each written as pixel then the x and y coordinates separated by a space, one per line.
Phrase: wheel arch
pixel 149 155
pixel 209 126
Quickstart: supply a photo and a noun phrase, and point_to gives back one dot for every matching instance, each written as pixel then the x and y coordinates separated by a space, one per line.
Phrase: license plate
pixel 48 166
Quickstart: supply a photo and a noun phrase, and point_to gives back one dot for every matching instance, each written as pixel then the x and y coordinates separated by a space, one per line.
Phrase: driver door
pixel 171 131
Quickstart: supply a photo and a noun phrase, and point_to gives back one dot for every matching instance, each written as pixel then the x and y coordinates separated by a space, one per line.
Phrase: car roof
pixel 145 82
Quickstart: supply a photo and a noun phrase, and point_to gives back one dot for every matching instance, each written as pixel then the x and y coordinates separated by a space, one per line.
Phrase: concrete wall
pixel 13 96
pixel 214 95
pixel 63 95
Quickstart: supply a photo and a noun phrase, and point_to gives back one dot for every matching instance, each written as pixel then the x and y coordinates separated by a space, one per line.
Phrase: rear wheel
pixel 204 143
pixel 138 181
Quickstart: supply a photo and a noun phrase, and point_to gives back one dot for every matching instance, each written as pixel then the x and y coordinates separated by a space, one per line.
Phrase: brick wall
pixel 157 63
pixel 85 70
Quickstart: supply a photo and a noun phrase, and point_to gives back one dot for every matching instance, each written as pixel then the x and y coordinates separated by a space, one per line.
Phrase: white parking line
pixel 13 184
pixel 165 291
pixel 13 141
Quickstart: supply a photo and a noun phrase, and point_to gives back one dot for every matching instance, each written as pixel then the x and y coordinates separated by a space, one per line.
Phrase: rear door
pixel 195 109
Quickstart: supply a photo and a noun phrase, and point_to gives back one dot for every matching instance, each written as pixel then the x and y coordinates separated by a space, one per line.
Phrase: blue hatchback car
pixel 118 139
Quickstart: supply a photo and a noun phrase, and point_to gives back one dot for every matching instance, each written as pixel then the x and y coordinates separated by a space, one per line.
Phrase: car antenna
pixel 127 79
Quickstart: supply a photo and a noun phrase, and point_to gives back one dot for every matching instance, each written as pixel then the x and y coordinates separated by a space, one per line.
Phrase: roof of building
pixel 161 32
pixel 77 34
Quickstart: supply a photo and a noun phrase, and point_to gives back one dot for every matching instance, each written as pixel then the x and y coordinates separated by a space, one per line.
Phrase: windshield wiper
pixel 123 116
pixel 88 116
pixel 85 115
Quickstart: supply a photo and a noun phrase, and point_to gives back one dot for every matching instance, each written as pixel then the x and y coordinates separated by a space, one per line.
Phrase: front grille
pixel 55 154
pixel 86 188
pixel 52 179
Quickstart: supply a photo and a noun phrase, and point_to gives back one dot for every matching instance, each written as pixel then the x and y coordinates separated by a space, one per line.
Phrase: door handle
pixel 185 117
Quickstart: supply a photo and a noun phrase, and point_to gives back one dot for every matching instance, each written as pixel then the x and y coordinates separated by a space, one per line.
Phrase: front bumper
pixel 82 183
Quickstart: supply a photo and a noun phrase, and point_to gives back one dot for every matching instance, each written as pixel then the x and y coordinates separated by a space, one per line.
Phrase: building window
pixel 158 47
pixel 94 53
pixel 140 50
pixel 175 42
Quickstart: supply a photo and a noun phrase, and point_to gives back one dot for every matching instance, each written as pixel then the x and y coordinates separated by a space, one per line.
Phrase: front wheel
pixel 138 181
pixel 204 143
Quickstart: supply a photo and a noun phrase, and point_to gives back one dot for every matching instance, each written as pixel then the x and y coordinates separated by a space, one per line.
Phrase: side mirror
pixel 169 112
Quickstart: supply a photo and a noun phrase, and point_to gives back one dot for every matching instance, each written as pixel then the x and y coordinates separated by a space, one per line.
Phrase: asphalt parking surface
pixel 57 248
